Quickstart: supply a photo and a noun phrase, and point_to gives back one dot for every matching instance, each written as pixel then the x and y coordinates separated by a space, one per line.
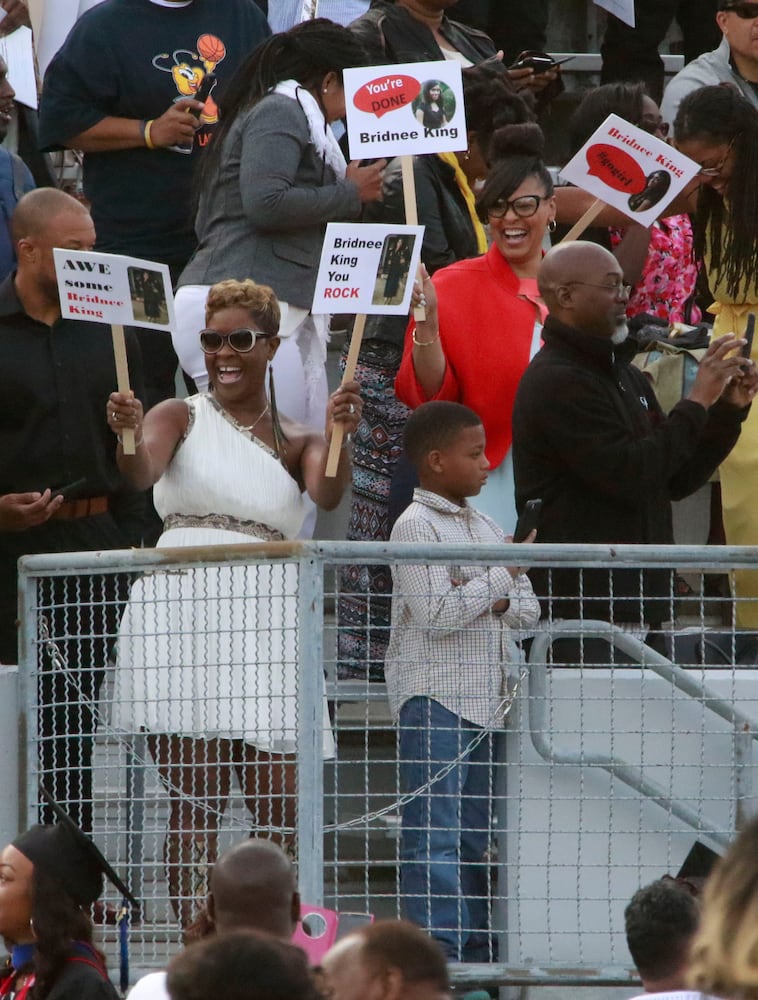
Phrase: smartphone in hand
pixel 206 86
pixel 540 62
pixel 69 489
pixel 749 334
pixel 528 519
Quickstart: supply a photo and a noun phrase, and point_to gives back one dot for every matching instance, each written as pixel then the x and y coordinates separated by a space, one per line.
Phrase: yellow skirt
pixel 739 476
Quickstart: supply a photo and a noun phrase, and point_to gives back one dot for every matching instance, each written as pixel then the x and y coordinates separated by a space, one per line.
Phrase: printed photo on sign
pixel 148 297
pixel 111 288
pixel 435 105
pixel 394 270
pixel 630 169
pixel 367 268
pixel 408 109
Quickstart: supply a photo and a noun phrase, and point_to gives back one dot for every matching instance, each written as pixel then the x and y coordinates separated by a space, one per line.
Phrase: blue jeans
pixel 446 829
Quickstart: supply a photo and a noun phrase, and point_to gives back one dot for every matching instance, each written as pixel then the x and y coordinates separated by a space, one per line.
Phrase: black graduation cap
pixel 63 850
pixel 699 862
pixel 696 868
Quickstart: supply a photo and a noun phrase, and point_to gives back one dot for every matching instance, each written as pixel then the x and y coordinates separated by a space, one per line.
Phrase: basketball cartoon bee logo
pixel 189 69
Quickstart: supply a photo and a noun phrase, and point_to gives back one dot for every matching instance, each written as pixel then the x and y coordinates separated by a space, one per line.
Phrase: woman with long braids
pixel 207 658
pixel 273 177
pixel 718 128
pixel 49 878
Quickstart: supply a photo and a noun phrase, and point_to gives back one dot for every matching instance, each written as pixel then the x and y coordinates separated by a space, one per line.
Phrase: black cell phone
pixel 206 86
pixel 539 63
pixel 69 488
pixel 527 521
pixel 749 334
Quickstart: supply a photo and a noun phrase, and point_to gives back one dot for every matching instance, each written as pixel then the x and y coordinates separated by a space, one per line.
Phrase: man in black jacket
pixel 590 439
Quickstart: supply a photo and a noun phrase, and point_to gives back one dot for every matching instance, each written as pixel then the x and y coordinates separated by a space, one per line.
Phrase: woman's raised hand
pixel 368 180
pixel 424 294
pixel 344 407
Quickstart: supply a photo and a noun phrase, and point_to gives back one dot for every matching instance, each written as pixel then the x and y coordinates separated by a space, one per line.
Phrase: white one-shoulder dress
pixel 211 652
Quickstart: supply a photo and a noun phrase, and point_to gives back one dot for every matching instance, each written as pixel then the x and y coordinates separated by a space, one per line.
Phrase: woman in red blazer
pixel 474 348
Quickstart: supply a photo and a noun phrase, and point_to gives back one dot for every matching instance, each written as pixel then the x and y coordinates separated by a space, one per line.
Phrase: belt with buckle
pixel 70 510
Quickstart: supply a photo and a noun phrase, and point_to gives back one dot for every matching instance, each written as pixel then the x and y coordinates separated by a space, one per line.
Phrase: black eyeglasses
pixel 716 170
pixel 523 207
pixel 747 11
pixel 241 341
pixel 616 288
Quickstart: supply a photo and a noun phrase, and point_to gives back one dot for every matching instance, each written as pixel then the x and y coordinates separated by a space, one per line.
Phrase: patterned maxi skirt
pixel 363 616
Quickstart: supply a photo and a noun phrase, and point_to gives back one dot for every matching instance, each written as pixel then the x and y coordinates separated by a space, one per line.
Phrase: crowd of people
pixel 516 384
pixel 688 935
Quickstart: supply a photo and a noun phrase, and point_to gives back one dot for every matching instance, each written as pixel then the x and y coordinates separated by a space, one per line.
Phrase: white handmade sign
pixel 405 109
pixel 623 9
pixel 367 268
pixel 111 288
pixel 17 51
pixel 630 169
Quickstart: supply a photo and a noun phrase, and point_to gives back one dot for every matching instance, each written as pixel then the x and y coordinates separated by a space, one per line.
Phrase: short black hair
pixel 241 965
pixel 435 425
pixel 623 99
pixel 660 922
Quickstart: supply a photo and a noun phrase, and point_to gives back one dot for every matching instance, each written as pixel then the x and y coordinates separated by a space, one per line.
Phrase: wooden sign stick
pixel 411 212
pixel 586 220
pixel 338 432
pixel 122 378
pixel 411 218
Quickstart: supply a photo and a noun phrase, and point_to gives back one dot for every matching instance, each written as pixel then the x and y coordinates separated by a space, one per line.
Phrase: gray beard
pixel 620 334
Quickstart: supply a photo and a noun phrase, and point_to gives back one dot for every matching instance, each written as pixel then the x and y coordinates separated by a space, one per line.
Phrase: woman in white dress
pixel 207 662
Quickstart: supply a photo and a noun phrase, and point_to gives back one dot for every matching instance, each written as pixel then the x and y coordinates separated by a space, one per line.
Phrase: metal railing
pixel 607 771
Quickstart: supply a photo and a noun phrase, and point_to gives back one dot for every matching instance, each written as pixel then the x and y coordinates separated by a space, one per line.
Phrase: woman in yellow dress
pixel 718 128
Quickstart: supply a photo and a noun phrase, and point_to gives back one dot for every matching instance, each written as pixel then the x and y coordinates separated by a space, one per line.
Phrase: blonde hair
pixel 259 300
pixel 724 956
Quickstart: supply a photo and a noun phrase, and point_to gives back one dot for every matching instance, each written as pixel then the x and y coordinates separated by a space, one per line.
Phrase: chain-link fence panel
pixel 507 783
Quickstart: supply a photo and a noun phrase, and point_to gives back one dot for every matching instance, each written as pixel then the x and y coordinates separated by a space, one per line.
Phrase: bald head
pixel 253 886
pixel 36 211
pixel 582 285
pixel 44 220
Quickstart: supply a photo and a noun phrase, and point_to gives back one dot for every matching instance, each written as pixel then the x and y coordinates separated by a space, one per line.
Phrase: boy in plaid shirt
pixel 450 648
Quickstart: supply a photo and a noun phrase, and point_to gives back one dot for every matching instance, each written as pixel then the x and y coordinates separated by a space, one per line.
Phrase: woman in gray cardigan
pixel 272 179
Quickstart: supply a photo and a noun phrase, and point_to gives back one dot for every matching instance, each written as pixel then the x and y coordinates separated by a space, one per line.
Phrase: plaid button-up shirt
pixel 446 642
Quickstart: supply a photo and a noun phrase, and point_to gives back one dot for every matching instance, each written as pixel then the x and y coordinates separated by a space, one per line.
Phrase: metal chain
pixel 59 661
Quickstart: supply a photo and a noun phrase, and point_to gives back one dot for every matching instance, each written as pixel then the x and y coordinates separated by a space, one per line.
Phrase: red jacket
pixel 486 333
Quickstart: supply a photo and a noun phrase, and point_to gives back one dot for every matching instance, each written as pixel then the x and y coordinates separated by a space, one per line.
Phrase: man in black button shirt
pixel 55 378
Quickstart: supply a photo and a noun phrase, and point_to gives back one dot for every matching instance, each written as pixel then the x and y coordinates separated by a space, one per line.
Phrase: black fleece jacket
pixel 590 439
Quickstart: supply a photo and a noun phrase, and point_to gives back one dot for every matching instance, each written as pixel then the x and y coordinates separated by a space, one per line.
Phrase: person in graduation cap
pixel 49 878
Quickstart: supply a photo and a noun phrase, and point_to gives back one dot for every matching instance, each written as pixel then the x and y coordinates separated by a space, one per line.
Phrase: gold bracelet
pixel 146 127
pixel 424 343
